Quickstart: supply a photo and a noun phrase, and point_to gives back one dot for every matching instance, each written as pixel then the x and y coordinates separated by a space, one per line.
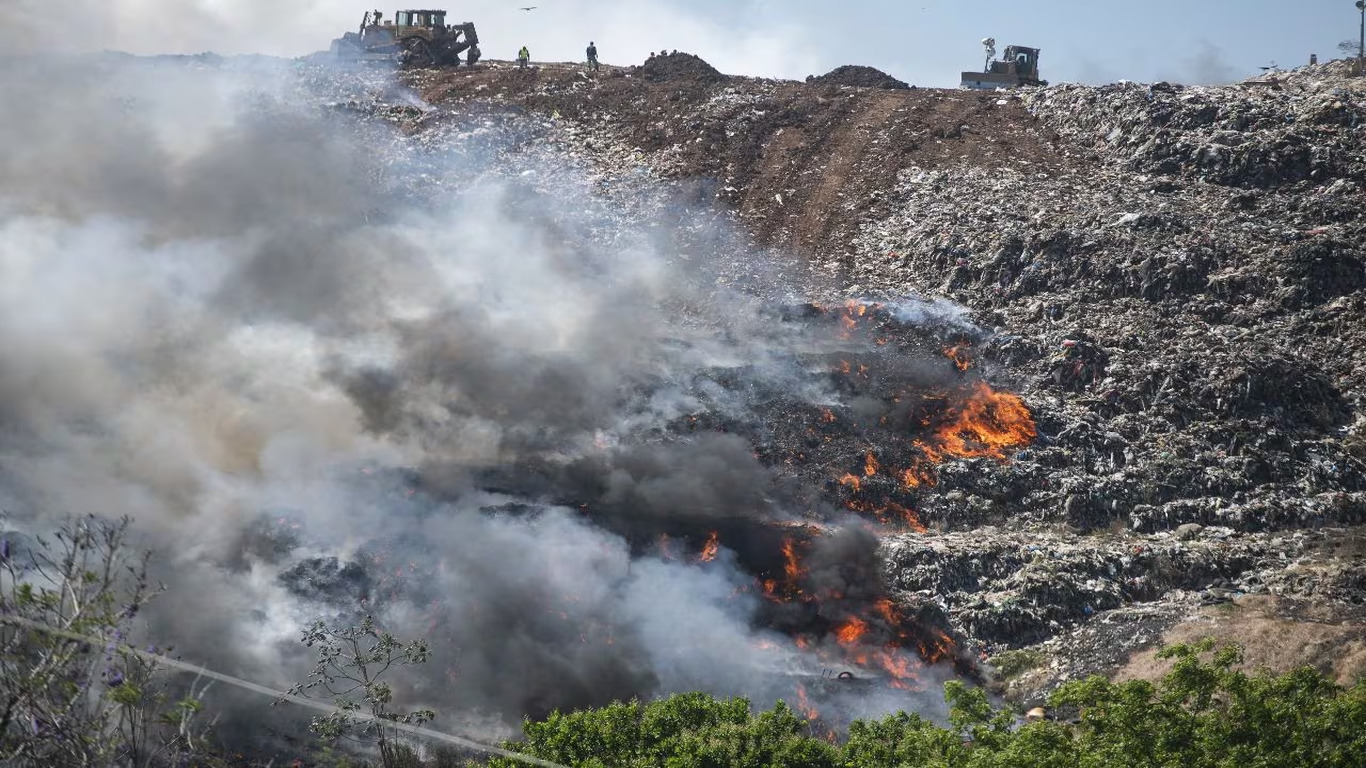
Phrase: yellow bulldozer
pixel 412 38
pixel 1019 66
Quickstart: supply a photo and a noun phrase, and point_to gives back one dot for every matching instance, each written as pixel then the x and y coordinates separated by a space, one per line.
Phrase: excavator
pixel 1019 66
pixel 412 38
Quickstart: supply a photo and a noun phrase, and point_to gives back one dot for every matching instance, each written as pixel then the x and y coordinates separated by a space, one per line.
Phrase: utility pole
pixel 1361 50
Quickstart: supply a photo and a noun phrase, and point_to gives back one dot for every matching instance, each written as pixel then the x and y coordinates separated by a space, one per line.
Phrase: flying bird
pixel 530 8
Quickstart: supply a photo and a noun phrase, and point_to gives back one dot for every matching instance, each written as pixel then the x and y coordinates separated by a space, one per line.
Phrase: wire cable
pixel 426 733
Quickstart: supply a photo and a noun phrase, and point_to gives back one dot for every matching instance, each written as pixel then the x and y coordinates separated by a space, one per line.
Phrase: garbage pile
pixel 1182 300
pixel 679 66
pixel 859 77
pixel 1007 589
pixel 1175 284
pixel 1302 127
pixel 1189 346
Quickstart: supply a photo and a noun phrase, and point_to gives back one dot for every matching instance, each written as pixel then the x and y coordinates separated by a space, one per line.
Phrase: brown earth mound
pixel 679 66
pixel 860 77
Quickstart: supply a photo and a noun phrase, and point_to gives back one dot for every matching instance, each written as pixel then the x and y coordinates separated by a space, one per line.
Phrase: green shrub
pixel 1203 714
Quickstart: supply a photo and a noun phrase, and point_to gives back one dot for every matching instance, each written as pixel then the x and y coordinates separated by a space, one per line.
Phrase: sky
pixel 926 42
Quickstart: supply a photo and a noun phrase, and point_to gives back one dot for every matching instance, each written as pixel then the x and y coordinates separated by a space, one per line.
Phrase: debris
pixel 860 77
pixel 679 66
pixel 1172 277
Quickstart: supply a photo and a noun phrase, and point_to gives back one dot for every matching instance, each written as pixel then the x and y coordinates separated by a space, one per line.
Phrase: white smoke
pixel 224 313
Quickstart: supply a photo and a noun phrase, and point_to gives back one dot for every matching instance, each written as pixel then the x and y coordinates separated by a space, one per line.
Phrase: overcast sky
pixel 927 42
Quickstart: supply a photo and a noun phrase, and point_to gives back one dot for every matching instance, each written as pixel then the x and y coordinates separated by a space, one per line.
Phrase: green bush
pixel 691 729
pixel 1204 714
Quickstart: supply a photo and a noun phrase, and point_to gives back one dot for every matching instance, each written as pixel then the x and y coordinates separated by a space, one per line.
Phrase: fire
pixel 941 646
pixel 887 610
pixel 710 549
pixel 852 481
pixel 791 587
pixel 906 515
pixel 870 465
pixel 899 666
pixel 792 566
pixel 891 513
pixel 960 355
pixel 851 631
pixel 827 416
pixel 988 425
pixel 804 704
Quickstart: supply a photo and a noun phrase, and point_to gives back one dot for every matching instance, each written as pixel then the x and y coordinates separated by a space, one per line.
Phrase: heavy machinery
pixel 414 38
pixel 1019 66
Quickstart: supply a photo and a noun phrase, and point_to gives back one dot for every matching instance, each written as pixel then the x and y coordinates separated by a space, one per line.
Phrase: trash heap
pixel 1222 378
pixel 1173 278
pixel 1008 590
pixel 679 66
pixel 1256 135
pixel 1181 302
pixel 859 77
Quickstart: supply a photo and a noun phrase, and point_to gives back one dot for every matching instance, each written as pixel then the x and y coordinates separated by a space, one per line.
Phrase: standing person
pixel 523 58
pixel 592 56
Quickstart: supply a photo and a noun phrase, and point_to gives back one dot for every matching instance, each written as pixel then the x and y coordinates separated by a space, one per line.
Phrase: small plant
pixel 351 663
pixel 71 690
pixel 1012 664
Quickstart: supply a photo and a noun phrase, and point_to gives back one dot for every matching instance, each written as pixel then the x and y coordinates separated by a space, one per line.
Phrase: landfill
pixel 1172 279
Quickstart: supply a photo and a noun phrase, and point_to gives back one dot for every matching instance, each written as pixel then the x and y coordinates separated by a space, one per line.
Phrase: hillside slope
pixel 1173 278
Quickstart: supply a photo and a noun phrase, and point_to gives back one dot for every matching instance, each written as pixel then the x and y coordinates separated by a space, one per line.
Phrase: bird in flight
pixel 529 8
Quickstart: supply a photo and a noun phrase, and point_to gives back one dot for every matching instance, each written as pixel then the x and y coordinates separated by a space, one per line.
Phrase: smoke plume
pixel 323 385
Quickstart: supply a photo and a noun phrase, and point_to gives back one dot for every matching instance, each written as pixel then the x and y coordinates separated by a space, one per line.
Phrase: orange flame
pixel 804 704
pixel 907 516
pixel 887 610
pixel 989 424
pixel 852 481
pixel 870 465
pixel 891 513
pixel 899 666
pixel 827 416
pixel 710 549
pixel 792 567
pixel 850 632
pixel 960 355
pixel 941 646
